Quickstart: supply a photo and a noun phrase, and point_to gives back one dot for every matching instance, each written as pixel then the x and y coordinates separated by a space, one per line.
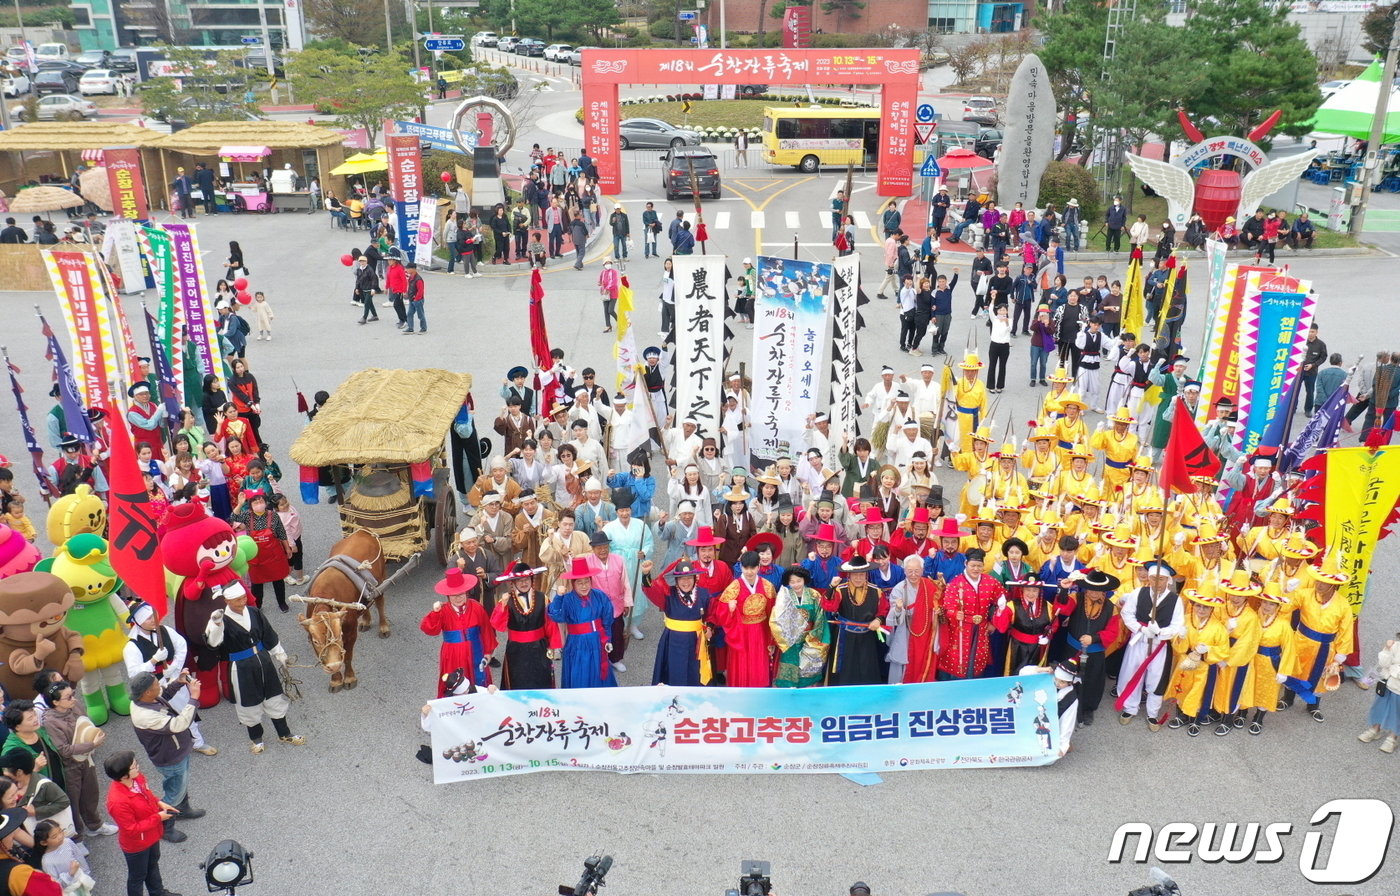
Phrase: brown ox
pixel 333 629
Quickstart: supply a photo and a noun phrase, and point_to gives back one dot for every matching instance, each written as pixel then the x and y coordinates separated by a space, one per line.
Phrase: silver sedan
pixel 653 133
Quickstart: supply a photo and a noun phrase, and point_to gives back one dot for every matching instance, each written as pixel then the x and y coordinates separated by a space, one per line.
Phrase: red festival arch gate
pixel 895 71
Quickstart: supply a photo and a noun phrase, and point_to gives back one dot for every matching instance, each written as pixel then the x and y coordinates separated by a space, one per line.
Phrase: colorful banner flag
pixel 121 251
pixel 134 545
pixel 79 286
pixel 978 723
pixel 126 182
pixel 121 325
pixel 1220 357
pixel 406 184
pixel 550 390
pixel 1186 454
pixel 845 360
pixel 1216 263
pixel 625 356
pixel 170 392
pixel 790 315
pixel 698 360
pixel 201 323
pixel 1361 491
pixel 1320 432
pixel 1134 314
pixel 1273 325
pixel 31 442
pixel 143 243
pixel 70 400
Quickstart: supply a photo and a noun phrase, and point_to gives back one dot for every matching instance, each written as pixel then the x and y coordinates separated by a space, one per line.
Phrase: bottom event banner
pixel 985 722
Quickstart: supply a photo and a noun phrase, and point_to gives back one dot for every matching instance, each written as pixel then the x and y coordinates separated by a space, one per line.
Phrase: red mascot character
pixel 201 548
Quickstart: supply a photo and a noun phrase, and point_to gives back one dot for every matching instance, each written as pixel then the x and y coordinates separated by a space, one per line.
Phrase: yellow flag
pixel 1133 312
pixel 624 307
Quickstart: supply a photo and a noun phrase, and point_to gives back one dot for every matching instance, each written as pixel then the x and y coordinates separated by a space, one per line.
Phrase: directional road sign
pixel 931 168
pixel 445 42
pixel 688 15
pixel 252 40
pixel 924 113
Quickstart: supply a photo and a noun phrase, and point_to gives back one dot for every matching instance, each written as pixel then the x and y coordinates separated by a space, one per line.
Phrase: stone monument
pixel 1028 138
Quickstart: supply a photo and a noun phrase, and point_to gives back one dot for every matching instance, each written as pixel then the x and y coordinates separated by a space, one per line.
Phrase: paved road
pixel 352 810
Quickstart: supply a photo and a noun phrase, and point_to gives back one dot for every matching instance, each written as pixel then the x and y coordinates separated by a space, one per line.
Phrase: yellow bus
pixel 808 138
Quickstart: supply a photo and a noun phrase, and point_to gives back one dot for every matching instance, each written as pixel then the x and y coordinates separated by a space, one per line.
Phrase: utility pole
pixel 1372 166
pixel 388 30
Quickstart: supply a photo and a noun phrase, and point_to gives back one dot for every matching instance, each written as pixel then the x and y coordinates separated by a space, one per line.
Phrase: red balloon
pixel 347 260
pixel 240 284
pixel 446 177
pixel 245 298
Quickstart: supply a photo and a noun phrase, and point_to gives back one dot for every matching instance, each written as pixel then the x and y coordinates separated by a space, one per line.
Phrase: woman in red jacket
pixel 140 818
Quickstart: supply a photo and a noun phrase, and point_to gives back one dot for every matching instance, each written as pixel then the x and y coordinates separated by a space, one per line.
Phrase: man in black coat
pixel 204 182
pixel 1115 219
pixel 13 234
pixel 941 203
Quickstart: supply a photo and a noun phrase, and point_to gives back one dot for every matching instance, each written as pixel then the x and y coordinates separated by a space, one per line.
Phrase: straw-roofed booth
pixel 41 150
pixel 308 148
pixel 390 427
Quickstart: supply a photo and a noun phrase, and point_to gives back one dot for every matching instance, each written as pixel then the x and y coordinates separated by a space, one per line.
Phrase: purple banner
pixel 201 326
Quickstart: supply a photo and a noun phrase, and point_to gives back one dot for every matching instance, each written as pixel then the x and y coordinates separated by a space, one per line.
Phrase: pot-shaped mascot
pixel 74 514
pixel 33 636
pixel 17 553
pixel 81 562
pixel 202 549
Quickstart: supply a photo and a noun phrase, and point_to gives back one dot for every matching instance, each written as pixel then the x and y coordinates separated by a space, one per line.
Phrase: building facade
pixel 946 16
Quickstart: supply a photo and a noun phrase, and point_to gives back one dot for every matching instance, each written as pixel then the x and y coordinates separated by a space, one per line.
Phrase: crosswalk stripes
pixel 793 220
pixel 721 220
pixel 811 219
pixel 862 220
pixel 756 220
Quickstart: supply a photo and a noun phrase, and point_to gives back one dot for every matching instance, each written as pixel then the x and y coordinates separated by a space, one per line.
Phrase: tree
pixel 1378 25
pixel 1259 62
pixel 553 17
pixel 202 87
pixel 361 93
pixel 963 62
pixel 359 22
pixel 844 9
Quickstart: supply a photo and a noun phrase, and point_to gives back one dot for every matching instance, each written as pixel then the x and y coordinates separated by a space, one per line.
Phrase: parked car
pixel 55 80
pixel 15 56
pixel 1332 87
pixel 751 90
pixel 987 143
pixel 52 51
pixel 979 105
pixel 58 107
pixel 94 59
pixel 558 52
pixel 576 57
pixel 124 60
pixel 61 65
pixel 15 83
pixel 529 46
pixel 99 80
pixel 485 39
pixel 507 43
pixel 256 61
pixel 653 133
pixel 677 165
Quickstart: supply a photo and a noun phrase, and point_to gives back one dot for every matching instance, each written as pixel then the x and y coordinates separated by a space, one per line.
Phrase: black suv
pixel 677 164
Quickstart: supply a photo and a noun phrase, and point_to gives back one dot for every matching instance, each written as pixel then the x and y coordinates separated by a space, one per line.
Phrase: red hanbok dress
pixel 963 650
pixel 467 639
pixel 742 612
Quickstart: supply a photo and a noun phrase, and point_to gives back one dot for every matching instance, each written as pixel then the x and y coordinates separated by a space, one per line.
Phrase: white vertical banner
pixel 845 392
pixel 120 250
pixel 427 232
pixel 699 352
pixel 790 315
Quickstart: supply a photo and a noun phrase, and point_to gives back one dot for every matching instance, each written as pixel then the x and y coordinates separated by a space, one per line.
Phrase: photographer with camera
pixel 165 735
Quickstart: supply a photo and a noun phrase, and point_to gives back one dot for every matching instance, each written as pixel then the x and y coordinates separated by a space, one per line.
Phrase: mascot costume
pixel 202 549
pixel 33 608
pixel 17 554
pixel 75 514
pixel 81 562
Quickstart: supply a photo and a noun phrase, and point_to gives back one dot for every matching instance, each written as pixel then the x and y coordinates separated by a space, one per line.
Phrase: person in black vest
pixel 75 468
pixel 1088 347
pixel 532 637
pixel 1153 616
pixel 1026 617
pixel 243 637
pixel 162 651
pixel 1090 623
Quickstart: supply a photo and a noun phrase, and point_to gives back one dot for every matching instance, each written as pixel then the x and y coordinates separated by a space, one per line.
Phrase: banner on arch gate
pixel 982 722
pixel 789 329
pixel 699 355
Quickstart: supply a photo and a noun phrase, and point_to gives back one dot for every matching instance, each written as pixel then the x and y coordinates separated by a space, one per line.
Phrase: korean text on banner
pixel 201 323
pixel 662 730
pixel 790 313
pixel 699 356
pixel 1362 488
pixel 845 391
pixel 120 250
pixel 1272 334
pixel 127 184
pixel 406 182
pixel 125 351
pixel 96 366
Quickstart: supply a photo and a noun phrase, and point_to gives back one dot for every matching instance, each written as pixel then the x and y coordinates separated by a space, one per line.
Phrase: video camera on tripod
pixel 595 868
pixel 1161 885
pixel 754 879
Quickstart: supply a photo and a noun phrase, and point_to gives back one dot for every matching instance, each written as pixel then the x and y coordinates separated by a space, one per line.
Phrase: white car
pixel 485 38
pixel 52 52
pixel 14 83
pixel 975 106
pixel 58 107
pixel 98 80
pixel 558 52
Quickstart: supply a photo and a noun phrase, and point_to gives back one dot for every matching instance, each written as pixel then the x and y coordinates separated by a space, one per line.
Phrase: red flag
pixel 539 345
pixel 1187 454
pixel 134 548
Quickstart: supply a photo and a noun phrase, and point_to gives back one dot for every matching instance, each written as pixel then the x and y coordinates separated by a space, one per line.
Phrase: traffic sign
pixel 925 113
pixel 688 15
pixel 445 42
pixel 931 168
pixel 922 132
pixel 249 41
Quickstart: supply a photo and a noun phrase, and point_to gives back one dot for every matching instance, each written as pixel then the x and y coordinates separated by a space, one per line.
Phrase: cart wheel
pixel 444 515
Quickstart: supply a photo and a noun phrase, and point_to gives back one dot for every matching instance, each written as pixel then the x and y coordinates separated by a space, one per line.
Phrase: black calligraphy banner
pixel 700 326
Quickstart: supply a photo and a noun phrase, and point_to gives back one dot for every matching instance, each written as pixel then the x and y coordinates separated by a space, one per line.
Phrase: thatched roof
pixel 39 136
pixel 206 139
pixel 385 416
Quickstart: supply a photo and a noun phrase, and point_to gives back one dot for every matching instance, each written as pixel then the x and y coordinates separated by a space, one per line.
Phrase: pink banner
pixel 406 184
